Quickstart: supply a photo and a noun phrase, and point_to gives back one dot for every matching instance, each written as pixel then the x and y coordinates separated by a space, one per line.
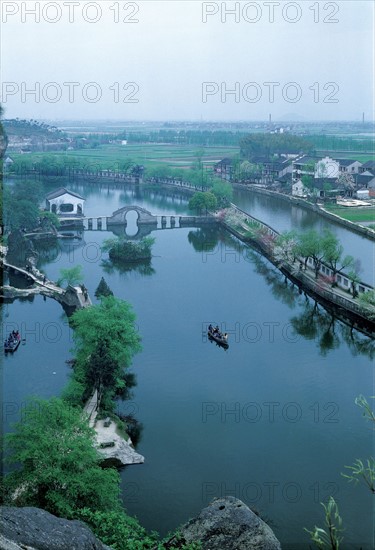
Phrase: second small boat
pixel 215 335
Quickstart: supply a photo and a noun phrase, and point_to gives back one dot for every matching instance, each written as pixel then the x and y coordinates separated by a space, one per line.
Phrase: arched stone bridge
pixel 144 216
pixel 146 222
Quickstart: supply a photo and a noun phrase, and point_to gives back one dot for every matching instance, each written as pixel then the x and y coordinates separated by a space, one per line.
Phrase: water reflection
pixel 204 239
pixel 312 321
pixel 142 268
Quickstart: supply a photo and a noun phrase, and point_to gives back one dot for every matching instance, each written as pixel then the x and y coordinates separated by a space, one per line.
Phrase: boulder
pixel 36 529
pixel 228 524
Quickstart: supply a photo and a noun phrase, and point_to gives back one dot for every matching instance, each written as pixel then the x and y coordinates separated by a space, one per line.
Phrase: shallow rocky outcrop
pixel 35 529
pixel 118 450
pixel 228 524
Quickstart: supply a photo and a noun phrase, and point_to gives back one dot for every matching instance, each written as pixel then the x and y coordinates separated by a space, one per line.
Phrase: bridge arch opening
pixel 131 218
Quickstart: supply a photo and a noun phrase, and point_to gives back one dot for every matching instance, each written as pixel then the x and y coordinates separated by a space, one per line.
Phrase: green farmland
pixel 107 156
pixel 353 214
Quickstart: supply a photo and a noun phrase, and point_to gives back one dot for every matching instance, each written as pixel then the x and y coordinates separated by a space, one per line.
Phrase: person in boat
pixel 216 330
pixel 225 336
pixel 210 328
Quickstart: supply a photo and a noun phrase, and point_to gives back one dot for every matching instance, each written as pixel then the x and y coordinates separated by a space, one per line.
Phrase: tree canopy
pixel 203 201
pixel 71 275
pixel 106 339
pixel 59 468
pixel 260 144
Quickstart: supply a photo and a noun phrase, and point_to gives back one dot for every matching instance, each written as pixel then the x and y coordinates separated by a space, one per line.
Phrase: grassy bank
pixel 353 214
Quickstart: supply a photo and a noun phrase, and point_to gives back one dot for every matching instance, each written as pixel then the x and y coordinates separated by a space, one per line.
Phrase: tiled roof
pixel 62 191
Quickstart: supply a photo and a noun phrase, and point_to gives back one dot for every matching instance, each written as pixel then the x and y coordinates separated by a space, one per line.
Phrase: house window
pixel 339 278
pixel 66 207
pixel 346 282
pixel 361 288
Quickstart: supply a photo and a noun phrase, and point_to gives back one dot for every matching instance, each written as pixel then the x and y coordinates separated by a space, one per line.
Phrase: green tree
pixel 103 289
pixel 354 278
pixel 285 250
pixel 32 191
pixel 200 201
pixel 310 246
pixel 19 213
pixel 72 276
pixel 267 145
pixel 58 465
pixel 308 182
pixel 333 254
pixel 112 321
pixel 49 219
pixel 223 192
pixel 102 371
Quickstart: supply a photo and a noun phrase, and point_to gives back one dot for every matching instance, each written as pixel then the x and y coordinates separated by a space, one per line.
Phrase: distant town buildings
pixel 304 175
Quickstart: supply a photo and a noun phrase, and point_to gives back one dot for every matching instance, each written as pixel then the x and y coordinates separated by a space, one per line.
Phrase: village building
pixel 63 202
pixel 368 166
pixel 299 190
pixel 224 168
pixel 349 166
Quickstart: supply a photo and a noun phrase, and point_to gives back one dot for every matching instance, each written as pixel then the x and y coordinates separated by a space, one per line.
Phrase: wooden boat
pixel 10 346
pixel 219 338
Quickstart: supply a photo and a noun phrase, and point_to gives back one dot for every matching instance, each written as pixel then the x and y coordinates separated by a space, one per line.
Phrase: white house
pixel 327 167
pixel 363 194
pixel 64 202
pixel 298 189
pixel 8 163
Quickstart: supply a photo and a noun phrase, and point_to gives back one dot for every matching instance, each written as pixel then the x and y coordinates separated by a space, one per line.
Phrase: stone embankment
pixel 109 442
pixel 73 297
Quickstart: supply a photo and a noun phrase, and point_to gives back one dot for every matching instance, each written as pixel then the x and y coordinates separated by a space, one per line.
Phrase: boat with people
pixel 12 342
pixel 215 335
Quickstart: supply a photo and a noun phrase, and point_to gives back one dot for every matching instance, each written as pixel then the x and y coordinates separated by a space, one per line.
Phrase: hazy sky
pixel 177 60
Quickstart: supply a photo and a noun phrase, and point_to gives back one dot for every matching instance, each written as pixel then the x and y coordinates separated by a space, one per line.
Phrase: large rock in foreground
pixel 228 524
pixel 36 529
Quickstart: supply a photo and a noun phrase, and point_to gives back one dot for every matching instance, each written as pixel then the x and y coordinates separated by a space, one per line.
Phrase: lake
pixel 272 420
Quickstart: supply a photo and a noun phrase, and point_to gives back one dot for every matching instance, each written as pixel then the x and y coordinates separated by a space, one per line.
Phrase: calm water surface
pixel 272 420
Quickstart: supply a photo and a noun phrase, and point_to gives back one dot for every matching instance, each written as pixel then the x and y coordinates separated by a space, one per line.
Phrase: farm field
pixel 174 156
pixel 353 214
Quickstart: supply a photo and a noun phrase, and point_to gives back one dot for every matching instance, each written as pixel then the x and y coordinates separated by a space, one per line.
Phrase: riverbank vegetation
pixel 292 251
pixel 60 470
